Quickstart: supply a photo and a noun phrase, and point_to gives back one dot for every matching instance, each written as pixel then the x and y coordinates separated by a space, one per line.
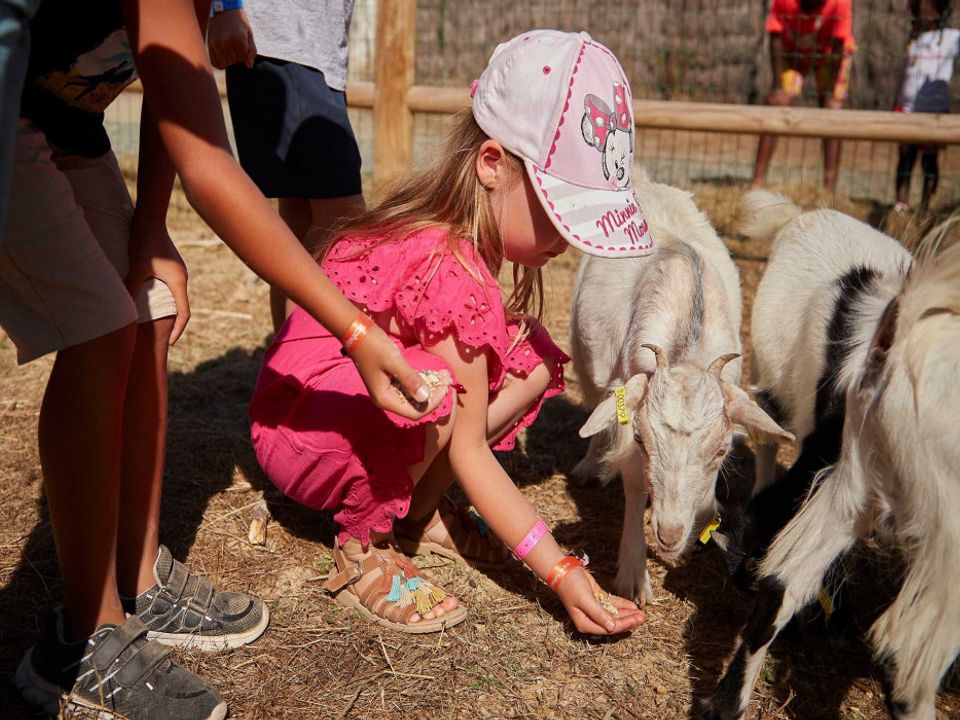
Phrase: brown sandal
pixel 455 532
pixel 387 588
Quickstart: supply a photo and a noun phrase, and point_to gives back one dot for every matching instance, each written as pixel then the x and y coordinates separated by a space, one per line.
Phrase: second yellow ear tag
pixel 826 602
pixel 708 530
pixel 623 417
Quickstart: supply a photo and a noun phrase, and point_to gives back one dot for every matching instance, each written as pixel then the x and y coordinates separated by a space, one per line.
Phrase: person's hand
pixel 379 362
pixel 778 97
pixel 230 39
pixel 576 592
pixel 153 254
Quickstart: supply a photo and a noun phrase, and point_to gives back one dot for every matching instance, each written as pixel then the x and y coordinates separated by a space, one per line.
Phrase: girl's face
pixel 529 238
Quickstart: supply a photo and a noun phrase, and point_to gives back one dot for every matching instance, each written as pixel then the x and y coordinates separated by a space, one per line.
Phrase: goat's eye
pixel 721 452
pixel 637 439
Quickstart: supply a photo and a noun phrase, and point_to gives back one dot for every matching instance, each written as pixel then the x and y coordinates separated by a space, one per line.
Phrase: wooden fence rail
pixel 724 118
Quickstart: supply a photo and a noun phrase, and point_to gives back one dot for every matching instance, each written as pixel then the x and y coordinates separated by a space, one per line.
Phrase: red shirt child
pixel 810 30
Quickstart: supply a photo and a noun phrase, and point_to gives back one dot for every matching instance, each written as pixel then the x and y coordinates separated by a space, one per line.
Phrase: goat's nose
pixel 669 535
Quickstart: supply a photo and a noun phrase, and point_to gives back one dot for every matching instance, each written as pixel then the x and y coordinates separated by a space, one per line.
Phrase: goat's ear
pixel 604 415
pixel 745 412
pixel 883 338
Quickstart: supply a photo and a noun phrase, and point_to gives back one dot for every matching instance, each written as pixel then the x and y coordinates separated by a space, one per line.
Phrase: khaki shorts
pixel 65 251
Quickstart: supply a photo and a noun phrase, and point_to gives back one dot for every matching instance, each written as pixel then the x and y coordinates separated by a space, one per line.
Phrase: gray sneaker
pixel 115 673
pixel 183 609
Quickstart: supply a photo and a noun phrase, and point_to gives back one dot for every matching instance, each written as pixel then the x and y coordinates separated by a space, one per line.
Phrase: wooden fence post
pixel 393 75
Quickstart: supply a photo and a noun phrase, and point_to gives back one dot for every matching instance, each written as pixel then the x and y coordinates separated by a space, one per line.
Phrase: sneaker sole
pixel 48 697
pixel 212 643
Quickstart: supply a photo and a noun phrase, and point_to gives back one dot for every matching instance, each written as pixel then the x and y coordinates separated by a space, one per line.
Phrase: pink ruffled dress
pixel 316 433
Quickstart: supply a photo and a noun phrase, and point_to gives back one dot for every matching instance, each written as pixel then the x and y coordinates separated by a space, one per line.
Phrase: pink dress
pixel 316 433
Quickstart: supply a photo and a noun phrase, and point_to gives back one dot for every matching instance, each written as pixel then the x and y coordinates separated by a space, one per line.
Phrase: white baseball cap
pixel 561 102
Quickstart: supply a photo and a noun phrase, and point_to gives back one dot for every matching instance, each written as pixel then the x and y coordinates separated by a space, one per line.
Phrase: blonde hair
pixel 447 193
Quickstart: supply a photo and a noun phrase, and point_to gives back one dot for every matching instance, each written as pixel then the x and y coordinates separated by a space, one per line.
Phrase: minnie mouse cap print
pixel 562 103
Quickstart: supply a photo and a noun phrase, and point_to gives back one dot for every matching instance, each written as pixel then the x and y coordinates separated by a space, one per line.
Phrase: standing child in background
pixel 544 159
pixel 926 88
pixel 808 36
pixel 286 76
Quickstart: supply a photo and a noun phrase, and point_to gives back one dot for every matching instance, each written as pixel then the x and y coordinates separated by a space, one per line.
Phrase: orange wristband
pixel 356 332
pixel 561 569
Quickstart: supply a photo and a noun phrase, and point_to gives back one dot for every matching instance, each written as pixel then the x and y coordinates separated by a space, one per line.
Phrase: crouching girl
pixel 518 179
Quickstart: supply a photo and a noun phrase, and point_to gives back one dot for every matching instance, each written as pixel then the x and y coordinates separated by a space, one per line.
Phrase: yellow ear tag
pixel 708 530
pixel 623 417
pixel 825 602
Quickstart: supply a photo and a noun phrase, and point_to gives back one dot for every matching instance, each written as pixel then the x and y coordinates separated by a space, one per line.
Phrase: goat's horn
pixel 662 362
pixel 717 365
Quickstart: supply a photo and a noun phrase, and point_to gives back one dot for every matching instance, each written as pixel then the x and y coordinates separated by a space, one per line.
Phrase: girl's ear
pixel 491 166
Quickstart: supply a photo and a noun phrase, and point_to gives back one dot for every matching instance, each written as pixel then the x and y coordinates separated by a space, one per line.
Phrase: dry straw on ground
pixel 515 657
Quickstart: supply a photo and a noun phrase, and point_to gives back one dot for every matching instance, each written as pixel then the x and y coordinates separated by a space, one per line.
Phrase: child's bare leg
pixel 295 212
pixel 831 150
pixel 311 220
pixel 907 157
pixel 437 437
pixel 766 146
pixel 80 436
pixel 931 177
pixel 144 442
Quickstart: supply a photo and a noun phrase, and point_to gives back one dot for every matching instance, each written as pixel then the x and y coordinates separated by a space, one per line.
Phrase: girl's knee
pixel 439 434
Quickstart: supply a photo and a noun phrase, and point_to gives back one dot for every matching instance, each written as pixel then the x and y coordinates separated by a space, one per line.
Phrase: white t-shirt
pixel 930 60
pixel 307 32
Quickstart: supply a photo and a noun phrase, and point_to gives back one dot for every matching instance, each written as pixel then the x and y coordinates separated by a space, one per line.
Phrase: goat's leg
pixel 632 581
pixel 790 577
pixel 913 644
pixel 589 466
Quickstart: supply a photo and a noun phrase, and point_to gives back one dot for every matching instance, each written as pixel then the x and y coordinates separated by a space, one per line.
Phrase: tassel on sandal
pixel 392 599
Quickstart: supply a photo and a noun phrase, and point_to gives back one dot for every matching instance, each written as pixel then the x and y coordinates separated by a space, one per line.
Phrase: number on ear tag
pixel 623 417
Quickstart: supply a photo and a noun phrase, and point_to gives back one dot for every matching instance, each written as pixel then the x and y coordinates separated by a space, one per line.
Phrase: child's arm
pixel 777 96
pixel 833 65
pixel 168 48
pixel 503 506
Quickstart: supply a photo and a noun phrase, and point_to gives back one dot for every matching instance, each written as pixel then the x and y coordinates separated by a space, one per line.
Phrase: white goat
pixel 665 329
pixel 897 469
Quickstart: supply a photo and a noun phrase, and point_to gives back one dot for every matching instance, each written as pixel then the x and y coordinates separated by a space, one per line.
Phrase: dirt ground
pixel 515 657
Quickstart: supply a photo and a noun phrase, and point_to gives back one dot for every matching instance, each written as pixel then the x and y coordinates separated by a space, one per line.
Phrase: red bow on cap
pixel 602 119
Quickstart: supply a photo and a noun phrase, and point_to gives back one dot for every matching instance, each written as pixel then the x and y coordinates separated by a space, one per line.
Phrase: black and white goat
pixel 661 335
pixel 827 275
pixel 846 329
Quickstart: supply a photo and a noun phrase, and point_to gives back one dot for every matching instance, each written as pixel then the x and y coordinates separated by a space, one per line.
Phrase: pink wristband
pixel 524 547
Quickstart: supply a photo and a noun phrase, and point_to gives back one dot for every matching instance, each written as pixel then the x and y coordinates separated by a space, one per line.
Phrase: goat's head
pixel 680 429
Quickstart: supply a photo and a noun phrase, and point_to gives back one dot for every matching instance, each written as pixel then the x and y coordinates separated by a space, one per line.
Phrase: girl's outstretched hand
pixel 380 362
pixel 576 592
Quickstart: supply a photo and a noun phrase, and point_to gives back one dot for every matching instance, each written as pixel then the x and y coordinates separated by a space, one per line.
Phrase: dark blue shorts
pixel 292 131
